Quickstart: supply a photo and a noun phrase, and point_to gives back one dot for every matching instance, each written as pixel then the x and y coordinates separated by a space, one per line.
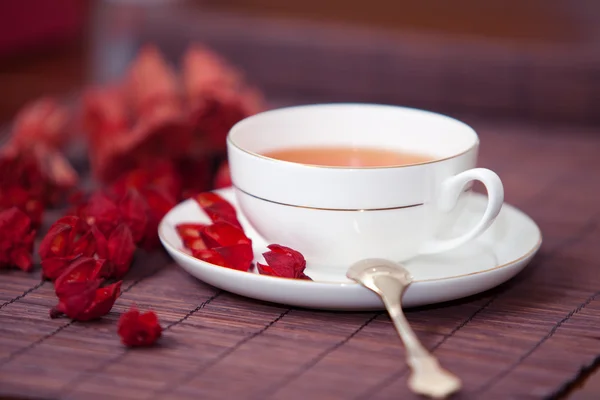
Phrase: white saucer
pixel 493 258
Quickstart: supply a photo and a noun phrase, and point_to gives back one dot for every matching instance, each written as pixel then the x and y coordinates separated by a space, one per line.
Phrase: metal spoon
pixel 389 280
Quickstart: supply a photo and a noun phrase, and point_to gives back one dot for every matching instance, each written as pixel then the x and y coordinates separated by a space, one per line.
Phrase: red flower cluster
pixel 224 242
pixel 147 117
pixel 150 139
pixel 139 329
pixel 16 239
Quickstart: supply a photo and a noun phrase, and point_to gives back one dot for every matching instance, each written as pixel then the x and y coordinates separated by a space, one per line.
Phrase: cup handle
pixel 450 192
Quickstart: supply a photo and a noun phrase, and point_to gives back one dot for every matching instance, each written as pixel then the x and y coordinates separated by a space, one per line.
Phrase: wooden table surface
pixel 547 172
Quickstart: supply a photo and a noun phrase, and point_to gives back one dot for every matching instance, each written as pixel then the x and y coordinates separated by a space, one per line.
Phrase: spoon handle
pixel 428 377
pixel 391 293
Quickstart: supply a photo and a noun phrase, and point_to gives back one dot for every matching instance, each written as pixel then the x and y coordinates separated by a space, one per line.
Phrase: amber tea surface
pixel 348 156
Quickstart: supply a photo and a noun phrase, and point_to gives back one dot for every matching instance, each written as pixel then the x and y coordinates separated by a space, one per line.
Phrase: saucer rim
pixel 172 247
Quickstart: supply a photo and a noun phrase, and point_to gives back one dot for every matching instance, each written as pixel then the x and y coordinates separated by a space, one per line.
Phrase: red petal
pixel 43 121
pixel 295 255
pixel 217 96
pixel 217 208
pixel 283 262
pixel 264 269
pixel 85 245
pixel 81 270
pixel 102 212
pixel 74 222
pixel 151 80
pixel 210 256
pixel 53 267
pixel 104 269
pixel 121 249
pixel 238 257
pixel 190 236
pixel 208 199
pixel 15 221
pixel 102 303
pixel 222 234
pixel 56 241
pixel 26 200
pixel 75 298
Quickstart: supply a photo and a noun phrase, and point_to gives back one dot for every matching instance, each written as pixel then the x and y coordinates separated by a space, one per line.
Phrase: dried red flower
pixel 190 235
pixel 118 249
pixel 217 95
pixel 42 121
pixel 223 234
pixel 79 293
pixel 31 159
pixel 106 213
pixel 217 208
pixel 85 300
pixel 160 174
pixel 239 256
pixel 283 262
pixel 24 200
pixel 67 239
pixel 16 239
pixel 159 127
pixel 139 329
pixel 83 269
pixel 54 267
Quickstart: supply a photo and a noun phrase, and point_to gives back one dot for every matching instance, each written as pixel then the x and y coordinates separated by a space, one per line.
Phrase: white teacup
pixel 336 216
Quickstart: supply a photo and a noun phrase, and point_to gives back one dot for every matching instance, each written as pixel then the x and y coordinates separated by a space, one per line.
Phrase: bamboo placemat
pixel 528 338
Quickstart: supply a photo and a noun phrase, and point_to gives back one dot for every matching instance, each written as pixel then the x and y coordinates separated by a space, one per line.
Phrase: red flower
pixel 84 269
pixel 85 300
pixel 283 262
pixel 220 244
pixel 16 239
pixel 190 235
pixel 31 159
pixel 139 329
pixel 66 241
pixel 217 96
pixel 239 256
pixel 160 174
pixel 217 208
pixel 160 126
pixel 23 199
pixel 70 238
pixel 80 296
pixel 106 213
pixel 223 234
pixel 118 249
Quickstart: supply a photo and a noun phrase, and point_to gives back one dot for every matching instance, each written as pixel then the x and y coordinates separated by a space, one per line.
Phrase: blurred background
pixel 534 60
